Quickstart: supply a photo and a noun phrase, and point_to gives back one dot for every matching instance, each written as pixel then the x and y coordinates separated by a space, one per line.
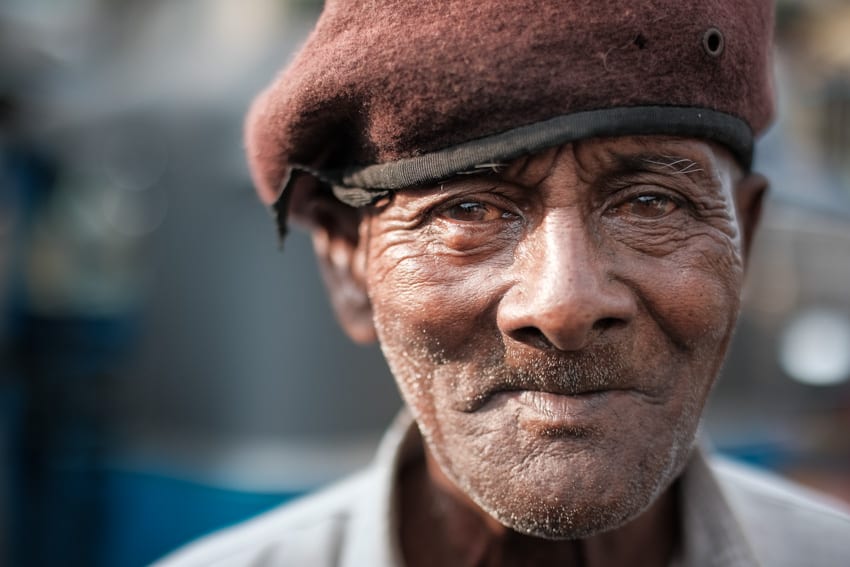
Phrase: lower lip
pixel 557 410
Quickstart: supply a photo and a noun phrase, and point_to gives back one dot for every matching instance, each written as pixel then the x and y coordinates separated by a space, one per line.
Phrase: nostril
pixel 532 336
pixel 607 323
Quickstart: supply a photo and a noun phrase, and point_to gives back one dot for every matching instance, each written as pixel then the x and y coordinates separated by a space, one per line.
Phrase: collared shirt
pixel 730 517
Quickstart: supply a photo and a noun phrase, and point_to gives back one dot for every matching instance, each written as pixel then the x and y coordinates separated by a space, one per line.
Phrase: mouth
pixel 551 382
pixel 556 414
pixel 542 395
pixel 553 406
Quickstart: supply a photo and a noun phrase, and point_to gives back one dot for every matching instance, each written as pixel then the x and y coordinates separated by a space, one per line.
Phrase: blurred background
pixel 165 370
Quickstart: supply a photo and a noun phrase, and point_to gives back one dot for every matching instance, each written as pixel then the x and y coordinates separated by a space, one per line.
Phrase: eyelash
pixel 632 193
pixel 621 197
pixel 507 210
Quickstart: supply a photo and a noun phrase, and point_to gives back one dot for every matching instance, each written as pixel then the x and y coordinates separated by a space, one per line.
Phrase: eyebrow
pixel 672 164
pixel 662 163
pixel 624 164
pixel 677 165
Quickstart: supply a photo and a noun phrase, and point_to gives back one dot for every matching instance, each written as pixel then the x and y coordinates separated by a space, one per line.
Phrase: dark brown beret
pixel 387 94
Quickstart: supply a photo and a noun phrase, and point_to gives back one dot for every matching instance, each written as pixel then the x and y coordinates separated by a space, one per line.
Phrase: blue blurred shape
pixel 146 515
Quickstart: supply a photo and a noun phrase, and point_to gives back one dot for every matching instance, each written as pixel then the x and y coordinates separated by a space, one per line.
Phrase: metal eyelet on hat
pixel 713 42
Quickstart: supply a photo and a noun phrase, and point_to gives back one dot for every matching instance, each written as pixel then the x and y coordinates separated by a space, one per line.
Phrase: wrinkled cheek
pixel 437 312
pixel 431 332
pixel 699 311
pixel 718 313
pixel 412 323
pixel 699 299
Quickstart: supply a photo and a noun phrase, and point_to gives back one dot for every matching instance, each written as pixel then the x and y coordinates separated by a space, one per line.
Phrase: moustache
pixel 565 373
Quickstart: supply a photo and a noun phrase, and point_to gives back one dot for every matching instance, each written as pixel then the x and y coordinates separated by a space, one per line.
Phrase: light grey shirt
pixel 731 517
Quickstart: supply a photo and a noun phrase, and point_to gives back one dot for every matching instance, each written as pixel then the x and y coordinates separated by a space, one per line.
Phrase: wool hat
pixel 389 94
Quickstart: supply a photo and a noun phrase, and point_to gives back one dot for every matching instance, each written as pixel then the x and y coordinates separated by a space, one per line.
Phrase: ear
pixel 749 198
pixel 341 254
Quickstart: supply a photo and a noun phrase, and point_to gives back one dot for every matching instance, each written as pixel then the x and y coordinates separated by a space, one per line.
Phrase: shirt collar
pixel 712 534
pixel 374 537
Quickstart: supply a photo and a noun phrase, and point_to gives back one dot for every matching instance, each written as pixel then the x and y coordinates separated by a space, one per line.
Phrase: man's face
pixel 556 326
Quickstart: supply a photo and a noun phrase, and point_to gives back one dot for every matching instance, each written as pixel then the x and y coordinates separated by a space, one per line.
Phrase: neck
pixel 441 526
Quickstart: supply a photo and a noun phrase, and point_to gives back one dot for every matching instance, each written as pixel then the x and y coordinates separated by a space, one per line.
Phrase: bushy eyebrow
pixel 675 164
pixel 663 163
pixel 624 167
pixel 620 165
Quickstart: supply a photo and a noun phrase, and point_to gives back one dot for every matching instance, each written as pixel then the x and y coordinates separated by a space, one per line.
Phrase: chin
pixel 567 523
pixel 579 499
pixel 573 520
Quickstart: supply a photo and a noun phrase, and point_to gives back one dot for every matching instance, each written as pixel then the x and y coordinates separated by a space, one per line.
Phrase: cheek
pixel 692 300
pixel 432 301
pixel 694 292
pixel 435 319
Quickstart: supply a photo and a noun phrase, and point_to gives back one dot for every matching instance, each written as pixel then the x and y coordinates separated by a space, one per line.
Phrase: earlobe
pixel 341 256
pixel 749 199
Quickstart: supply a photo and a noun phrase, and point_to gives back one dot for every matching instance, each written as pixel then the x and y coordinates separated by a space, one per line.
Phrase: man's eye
pixel 473 211
pixel 648 206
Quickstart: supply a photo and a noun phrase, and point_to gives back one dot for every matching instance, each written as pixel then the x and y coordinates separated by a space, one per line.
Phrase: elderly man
pixel 542 211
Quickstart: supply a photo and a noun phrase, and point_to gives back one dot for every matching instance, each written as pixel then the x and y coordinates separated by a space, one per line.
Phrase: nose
pixel 565 294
